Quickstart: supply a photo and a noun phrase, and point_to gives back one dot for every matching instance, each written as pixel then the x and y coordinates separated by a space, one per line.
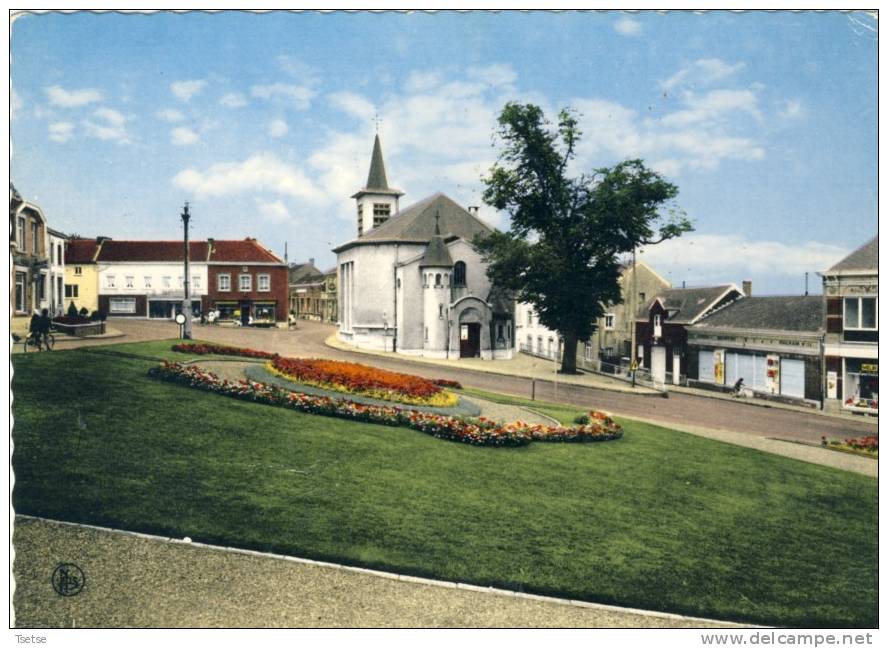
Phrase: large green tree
pixel 568 233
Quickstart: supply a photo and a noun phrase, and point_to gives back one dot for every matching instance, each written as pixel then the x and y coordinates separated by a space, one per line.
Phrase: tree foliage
pixel 567 235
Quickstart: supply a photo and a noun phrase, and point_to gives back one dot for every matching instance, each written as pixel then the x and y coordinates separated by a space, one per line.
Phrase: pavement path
pixel 140 581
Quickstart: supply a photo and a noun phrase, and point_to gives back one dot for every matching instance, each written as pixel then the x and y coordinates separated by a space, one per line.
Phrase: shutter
pixel 731 360
pixel 760 375
pixel 746 368
pixel 707 366
pixel 792 378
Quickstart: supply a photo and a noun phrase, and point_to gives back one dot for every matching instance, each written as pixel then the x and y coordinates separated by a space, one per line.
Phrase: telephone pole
pixel 186 302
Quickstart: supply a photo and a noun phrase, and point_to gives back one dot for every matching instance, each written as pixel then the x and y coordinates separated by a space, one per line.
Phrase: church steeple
pixel 376 202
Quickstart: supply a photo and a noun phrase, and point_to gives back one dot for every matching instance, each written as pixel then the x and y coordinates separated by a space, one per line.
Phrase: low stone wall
pixel 80 330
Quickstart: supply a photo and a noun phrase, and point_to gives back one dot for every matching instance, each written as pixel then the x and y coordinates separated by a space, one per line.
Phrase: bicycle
pixel 33 342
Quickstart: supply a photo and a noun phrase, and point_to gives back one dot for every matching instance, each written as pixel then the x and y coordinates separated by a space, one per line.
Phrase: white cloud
pixel 260 172
pixel 233 100
pixel 184 90
pixel 702 72
pixel 712 105
pixel 110 126
pixel 183 136
pixel 170 115
pixel 626 26
pixel 278 128
pixel 791 108
pixel 496 74
pixel 296 96
pixel 702 255
pixel 61 131
pixel 352 104
pixel 58 96
pixel 276 211
pixel 297 69
pixel 15 102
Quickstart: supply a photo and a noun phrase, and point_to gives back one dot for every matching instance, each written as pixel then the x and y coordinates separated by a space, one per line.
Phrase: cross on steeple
pixel 377 120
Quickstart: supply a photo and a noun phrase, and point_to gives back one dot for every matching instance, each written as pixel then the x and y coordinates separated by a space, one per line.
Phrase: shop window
pixel 861 382
pixel 122 305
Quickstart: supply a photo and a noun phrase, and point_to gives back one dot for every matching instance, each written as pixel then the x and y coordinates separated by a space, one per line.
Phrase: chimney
pixel 473 210
pixel 747 288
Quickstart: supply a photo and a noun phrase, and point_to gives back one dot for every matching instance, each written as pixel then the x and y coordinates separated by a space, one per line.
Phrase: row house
pixel 56 276
pixel 662 325
pixel 611 341
pixel 851 343
pixel 773 343
pixel 30 250
pixel 240 280
pixel 313 293
pixel 246 282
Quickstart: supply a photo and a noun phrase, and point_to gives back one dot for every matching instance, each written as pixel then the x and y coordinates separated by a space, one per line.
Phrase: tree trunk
pixel 569 353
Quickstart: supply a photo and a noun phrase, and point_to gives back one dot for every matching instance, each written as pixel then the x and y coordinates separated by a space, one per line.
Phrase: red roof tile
pixel 152 251
pixel 80 250
pixel 247 250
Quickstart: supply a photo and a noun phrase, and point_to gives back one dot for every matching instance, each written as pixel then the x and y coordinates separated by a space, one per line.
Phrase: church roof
pixel 436 255
pixel 376 181
pixel 416 224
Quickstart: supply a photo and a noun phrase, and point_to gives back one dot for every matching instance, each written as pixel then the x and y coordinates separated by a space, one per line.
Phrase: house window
pixel 35 238
pixel 130 281
pixel 20 232
pixel 263 282
pixel 61 254
pixel 147 281
pixel 195 282
pixel 41 287
pixel 109 281
pixel 125 305
pixel 245 283
pixel 72 292
pixel 529 317
pixel 861 313
pixel 459 274
pixel 641 298
pixel 20 282
pixel 78 271
pixel 181 281
pixel 224 282
pixel 529 343
pixel 609 322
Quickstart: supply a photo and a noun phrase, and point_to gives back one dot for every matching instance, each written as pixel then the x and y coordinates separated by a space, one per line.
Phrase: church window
pixel 499 333
pixel 459 274
pixel 399 282
pixel 382 209
pixel 438 280
pixel 425 280
pixel 426 333
pixel 440 311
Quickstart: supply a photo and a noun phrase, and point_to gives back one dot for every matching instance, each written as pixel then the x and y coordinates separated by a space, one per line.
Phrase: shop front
pixel 861 384
pixel 169 308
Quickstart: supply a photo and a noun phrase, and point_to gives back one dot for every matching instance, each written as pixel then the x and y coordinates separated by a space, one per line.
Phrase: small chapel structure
pixel 411 282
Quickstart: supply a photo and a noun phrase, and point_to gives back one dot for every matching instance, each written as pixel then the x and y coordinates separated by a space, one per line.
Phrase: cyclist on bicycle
pixel 43 325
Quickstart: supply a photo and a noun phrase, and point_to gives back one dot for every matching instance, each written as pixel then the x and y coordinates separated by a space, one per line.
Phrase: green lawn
pixel 659 519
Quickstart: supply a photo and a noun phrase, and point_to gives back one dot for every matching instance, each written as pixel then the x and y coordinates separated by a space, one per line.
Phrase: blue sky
pixel 765 121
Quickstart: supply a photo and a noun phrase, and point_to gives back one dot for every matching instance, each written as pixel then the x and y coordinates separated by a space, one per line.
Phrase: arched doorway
pixel 470 333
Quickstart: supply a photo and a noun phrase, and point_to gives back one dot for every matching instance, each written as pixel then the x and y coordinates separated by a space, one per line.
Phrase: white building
pixel 55 296
pixel 411 282
pixel 146 278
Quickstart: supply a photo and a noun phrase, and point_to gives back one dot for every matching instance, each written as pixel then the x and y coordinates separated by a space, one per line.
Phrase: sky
pixel 766 123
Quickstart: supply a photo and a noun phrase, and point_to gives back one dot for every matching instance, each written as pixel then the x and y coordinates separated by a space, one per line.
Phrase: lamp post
pixel 633 355
pixel 186 302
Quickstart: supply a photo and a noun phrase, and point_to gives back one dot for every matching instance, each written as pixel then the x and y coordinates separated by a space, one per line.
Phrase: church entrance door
pixel 469 340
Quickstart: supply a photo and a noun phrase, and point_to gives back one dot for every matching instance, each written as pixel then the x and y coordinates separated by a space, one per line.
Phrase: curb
pixel 398 577
pixel 416 360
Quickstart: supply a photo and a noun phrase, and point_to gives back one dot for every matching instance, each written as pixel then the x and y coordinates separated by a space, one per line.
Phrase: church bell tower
pixel 376 202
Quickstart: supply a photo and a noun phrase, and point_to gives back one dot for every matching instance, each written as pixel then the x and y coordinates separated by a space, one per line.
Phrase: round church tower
pixel 436 267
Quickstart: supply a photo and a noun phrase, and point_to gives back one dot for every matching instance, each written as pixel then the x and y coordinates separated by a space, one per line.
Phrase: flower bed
pixel 221 349
pixel 478 431
pixel 354 378
pixel 867 446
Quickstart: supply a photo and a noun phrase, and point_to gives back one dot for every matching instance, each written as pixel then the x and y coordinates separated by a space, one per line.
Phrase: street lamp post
pixel 186 302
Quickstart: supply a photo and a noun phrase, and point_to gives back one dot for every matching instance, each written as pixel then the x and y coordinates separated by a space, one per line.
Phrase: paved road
pixel 679 409
pixel 138 581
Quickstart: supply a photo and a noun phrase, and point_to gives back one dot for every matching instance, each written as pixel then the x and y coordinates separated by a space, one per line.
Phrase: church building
pixel 411 282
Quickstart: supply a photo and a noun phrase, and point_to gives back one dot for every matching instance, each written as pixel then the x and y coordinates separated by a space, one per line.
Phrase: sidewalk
pixel 520 366
pixel 136 580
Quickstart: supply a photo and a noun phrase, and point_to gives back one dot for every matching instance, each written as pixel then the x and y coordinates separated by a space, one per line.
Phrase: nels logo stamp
pixel 68 579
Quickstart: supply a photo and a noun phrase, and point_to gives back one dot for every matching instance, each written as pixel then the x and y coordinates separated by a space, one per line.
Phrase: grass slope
pixel 659 520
